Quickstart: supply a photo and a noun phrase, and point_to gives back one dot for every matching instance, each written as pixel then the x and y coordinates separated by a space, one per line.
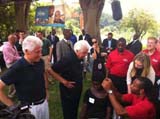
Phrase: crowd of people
pixel 125 78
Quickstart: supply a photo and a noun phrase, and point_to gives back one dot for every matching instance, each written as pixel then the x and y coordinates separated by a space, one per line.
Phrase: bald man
pixel 10 55
pixel 10 52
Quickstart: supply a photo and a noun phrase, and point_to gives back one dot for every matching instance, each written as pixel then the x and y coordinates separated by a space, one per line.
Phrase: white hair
pixel 30 42
pixel 81 45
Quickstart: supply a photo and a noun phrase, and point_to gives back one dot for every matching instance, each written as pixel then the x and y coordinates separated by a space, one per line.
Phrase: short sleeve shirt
pixel 28 80
pixel 45 48
pixel 141 108
pixel 96 107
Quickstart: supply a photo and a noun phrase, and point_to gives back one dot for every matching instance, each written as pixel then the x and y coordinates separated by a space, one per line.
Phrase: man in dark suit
pixel 86 37
pixel 53 39
pixel 135 46
pixel 109 43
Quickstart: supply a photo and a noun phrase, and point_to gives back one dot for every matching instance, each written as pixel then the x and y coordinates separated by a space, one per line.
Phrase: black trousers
pixel 119 83
pixel 70 100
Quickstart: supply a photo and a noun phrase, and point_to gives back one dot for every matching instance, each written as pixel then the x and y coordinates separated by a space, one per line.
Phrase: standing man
pixel 65 46
pixel 109 43
pixel 135 46
pixel 21 35
pixel 154 55
pixel 46 51
pixel 85 36
pixel 10 55
pixel 68 71
pixel 10 52
pixel 141 101
pixel 54 40
pixel 73 38
pixel 27 75
pixel 117 64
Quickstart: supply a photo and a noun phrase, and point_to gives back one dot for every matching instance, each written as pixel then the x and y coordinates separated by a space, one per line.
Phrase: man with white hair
pixel 68 71
pixel 27 75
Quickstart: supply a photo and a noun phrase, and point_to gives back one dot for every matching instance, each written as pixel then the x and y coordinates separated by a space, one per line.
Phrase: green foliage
pixel 54 96
pixel 140 22
pixel 107 20
pixel 73 24
pixel 55 102
pixel 7 20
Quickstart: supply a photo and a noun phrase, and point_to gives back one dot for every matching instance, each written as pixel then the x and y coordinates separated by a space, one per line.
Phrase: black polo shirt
pixel 70 68
pixel 28 80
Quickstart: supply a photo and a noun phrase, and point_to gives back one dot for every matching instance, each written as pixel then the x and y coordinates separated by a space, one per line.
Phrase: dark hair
pixel 40 32
pixel 98 76
pixel 110 33
pixel 148 87
pixel 123 40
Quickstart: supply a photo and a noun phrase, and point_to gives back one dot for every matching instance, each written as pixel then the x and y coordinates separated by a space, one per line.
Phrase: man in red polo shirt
pixel 117 65
pixel 141 102
pixel 154 55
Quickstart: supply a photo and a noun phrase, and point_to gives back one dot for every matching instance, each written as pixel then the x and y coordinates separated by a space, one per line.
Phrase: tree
pixel 21 12
pixel 139 21
pixel 7 20
pixel 92 10
pixel 15 15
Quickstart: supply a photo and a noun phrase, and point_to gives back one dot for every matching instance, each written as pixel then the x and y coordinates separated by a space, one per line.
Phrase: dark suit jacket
pixel 113 43
pixel 87 38
pixel 135 47
pixel 54 43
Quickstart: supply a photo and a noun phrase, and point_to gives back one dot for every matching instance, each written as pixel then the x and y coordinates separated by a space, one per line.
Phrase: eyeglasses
pixel 94 42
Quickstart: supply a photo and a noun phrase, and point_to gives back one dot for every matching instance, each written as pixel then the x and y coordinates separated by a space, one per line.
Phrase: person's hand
pixel 47 94
pixel 49 58
pixel 110 48
pixel 107 84
pixel 69 84
pixel 103 54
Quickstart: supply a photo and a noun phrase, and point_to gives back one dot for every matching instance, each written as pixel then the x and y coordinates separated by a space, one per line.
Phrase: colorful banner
pixel 50 16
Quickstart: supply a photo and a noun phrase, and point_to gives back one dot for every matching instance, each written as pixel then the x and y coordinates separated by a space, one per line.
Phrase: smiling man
pixel 27 75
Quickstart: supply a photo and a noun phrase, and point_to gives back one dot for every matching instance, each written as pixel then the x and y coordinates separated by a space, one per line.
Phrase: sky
pixel 151 6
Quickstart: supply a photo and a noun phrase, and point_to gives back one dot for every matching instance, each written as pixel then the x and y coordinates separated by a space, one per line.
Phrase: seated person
pixel 141 100
pixel 96 103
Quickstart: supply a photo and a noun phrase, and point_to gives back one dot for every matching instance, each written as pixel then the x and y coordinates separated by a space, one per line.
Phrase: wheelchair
pixel 18 111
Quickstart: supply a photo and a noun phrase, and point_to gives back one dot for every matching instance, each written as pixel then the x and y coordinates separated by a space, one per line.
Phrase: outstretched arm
pixel 120 110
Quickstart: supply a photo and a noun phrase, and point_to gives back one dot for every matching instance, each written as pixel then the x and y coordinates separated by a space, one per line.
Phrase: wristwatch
pixel 110 92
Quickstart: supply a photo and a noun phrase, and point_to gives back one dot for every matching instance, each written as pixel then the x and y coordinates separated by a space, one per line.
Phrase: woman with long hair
pixel 140 66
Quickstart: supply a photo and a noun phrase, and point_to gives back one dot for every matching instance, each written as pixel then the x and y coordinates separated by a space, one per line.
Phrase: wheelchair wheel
pixel 25 116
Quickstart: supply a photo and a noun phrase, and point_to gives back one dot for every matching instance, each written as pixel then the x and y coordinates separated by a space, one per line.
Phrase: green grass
pixel 54 99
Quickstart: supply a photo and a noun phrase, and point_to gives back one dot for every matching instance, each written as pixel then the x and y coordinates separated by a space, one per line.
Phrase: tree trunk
pixel 21 13
pixel 92 10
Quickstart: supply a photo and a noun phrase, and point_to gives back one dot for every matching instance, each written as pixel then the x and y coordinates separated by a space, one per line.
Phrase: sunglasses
pixel 94 42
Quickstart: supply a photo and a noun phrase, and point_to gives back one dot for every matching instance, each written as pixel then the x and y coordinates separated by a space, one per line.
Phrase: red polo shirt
pixel 141 108
pixel 117 63
pixel 155 61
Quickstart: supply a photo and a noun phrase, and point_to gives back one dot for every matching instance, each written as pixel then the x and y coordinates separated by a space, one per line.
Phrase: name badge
pixel 91 100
